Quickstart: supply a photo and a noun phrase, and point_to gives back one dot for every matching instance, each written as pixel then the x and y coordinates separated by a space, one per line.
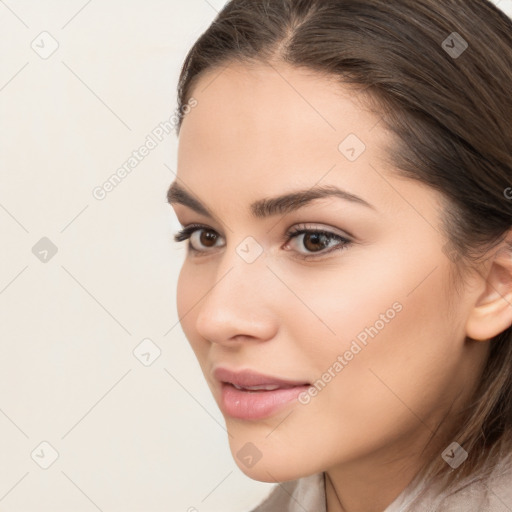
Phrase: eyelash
pixel 188 231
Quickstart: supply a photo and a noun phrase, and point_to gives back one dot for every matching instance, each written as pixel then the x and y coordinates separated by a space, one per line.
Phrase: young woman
pixel 345 186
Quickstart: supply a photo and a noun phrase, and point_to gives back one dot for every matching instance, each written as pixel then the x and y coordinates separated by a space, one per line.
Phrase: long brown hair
pixel 440 72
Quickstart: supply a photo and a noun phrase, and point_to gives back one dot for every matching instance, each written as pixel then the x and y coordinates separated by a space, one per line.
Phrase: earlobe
pixel 492 312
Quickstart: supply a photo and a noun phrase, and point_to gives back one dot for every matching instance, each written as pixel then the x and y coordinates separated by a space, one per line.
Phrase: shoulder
pixel 493 494
pixel 490 494
pixel 296 495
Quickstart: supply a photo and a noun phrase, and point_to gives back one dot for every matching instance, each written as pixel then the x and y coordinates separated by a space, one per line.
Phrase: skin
pixel 260 131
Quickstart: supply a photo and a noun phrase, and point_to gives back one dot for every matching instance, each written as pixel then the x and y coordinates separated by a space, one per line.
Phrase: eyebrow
pixel 268 207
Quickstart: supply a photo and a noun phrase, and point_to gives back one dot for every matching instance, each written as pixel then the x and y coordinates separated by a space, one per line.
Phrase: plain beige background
pixel 102 404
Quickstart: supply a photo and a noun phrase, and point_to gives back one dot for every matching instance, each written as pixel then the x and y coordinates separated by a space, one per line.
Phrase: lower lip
pixel 255 405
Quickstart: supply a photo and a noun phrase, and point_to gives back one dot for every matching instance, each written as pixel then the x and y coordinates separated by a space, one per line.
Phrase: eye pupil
pixel 208 236
pixel 319 240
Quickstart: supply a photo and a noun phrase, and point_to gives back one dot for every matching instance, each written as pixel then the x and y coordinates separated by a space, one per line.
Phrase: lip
pixel 254 404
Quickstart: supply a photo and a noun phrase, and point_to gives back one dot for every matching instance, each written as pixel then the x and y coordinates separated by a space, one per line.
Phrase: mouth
pixel 249 395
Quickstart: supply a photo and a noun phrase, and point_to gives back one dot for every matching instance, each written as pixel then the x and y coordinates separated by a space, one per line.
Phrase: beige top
pixel 493 494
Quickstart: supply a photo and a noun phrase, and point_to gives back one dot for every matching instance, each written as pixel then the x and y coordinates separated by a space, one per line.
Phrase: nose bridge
pixel 237 303
pixel 242 269
pixel 237 279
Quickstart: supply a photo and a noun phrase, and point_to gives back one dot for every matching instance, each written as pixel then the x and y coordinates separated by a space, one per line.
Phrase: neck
pixel 372 485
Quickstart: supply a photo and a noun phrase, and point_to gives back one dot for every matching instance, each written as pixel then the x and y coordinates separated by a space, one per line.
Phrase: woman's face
pixel 345 346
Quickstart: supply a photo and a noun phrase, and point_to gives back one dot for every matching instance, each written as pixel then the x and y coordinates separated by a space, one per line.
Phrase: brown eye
pixel 204 237
pixel 207 238
pixel 311 243
pixel 316 241
pixel 200 238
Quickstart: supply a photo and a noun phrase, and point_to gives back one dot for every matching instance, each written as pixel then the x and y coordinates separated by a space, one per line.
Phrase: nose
pixel 239 305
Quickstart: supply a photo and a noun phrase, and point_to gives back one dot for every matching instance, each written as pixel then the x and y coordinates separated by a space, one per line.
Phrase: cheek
pixel 379 300
pixel 395 372
pixel 356 301
pixel 398 354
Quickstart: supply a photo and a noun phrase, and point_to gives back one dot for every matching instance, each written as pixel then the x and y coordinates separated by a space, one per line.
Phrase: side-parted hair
pixel 440 73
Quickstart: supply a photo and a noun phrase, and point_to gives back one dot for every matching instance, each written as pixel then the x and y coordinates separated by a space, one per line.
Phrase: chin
pixel 261 460
pixel 270 472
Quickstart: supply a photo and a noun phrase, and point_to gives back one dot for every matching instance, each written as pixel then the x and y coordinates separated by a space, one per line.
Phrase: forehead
pixel 264 100
pixel 260 130
pixel 260 114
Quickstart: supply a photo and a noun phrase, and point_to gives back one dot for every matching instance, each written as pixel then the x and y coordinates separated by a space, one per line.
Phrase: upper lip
pixel 250 378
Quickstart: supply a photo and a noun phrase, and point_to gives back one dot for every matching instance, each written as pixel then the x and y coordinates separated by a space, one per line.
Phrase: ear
pixel 492 312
